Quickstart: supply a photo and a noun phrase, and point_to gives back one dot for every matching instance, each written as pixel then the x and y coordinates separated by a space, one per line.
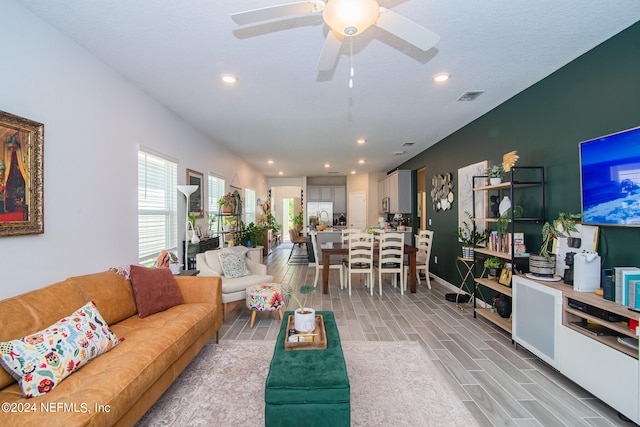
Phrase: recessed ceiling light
pixel 353 172
pixel 441 77
pixel 361 141
pixel 229 79
pixel 280 173
pixel 361 161
pixel 327 165
pixel 270 162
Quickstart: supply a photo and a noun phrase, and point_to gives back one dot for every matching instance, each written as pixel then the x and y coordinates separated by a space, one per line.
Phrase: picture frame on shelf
pixel 505 277
pixel 196 199
pixel 21 176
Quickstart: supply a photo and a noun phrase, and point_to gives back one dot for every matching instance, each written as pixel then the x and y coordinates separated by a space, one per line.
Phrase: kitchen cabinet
pixel 337 194
pixel 339 200
pixel 397 187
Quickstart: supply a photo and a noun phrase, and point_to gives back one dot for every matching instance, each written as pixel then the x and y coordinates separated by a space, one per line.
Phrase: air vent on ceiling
pixel 398 153
pixel 470 95
pixel 408 144
pixel 334 172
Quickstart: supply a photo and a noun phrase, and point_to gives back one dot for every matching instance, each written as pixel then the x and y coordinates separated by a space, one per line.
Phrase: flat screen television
pixel 610 179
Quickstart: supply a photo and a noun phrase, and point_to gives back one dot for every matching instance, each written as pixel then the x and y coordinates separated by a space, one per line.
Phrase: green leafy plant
pixel 272 224
pixel 494 171
pixel 228 199
pixel 254 233
pixel 305 290
pixel 298 220
pixel 503 221
pixel 565 223
pixel 469 236
pixel 493 262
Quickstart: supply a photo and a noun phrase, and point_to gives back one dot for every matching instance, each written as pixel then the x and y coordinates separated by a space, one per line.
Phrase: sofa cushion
pixel 242 283
pixel 40 361
pixel 233 265
pixel 154 289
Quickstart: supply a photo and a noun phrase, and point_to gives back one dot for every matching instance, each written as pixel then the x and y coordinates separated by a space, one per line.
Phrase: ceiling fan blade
pixel 279 11
pixel 330 51
pixel 406 29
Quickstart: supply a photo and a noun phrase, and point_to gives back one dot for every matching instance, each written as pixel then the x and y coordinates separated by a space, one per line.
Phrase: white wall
pixel 93 122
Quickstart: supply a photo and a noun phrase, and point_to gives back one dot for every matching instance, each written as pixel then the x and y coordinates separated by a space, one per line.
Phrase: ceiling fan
pixel 345 18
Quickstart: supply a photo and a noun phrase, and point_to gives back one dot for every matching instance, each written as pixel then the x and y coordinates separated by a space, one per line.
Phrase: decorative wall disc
pixel 442 194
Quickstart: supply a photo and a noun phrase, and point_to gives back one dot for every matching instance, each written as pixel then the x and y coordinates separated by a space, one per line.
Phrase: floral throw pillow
pixel 233 266
pixel 40 361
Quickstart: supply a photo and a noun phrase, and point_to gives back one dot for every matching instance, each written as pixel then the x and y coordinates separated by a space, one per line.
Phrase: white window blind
pixel 157 206
pixel 216 191
pixel 250 205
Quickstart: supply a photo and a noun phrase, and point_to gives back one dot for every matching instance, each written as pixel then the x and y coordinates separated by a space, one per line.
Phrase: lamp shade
pixel 187 189
pixel 350 17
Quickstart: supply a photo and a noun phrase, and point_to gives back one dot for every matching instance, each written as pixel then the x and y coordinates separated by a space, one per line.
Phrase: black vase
pixel 503 306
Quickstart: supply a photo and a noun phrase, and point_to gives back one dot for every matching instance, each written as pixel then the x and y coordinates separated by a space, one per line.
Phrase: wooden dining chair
pixel 319 265
pixel 360 258
pixel 390 259
pixel 424 242
pixel 296 240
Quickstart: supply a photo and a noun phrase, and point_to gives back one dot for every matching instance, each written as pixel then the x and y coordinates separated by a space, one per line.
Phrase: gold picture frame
pixel 505 277
pixel 196 199
pixel 21 176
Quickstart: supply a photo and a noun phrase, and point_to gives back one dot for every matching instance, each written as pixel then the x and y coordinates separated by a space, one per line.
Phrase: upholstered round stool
pixel 264 297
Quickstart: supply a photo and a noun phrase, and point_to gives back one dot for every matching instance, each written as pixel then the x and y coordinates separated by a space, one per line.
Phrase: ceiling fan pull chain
pixel 351 71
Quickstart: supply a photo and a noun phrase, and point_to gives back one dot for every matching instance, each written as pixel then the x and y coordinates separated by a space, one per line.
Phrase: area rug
pixel 299 259
pixel 392 383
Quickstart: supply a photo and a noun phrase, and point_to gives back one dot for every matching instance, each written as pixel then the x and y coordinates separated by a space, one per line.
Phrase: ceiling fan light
pixel 350 17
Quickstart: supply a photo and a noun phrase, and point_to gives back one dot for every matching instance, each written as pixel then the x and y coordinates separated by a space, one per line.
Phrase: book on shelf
pixel 503 243
pixel 633 293
pixel 621 278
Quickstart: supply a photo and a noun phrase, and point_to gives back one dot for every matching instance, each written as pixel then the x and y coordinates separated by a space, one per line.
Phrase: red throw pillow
pixel 154 289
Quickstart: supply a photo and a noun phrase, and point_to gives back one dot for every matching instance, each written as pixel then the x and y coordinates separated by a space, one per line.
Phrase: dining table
pixel 336 248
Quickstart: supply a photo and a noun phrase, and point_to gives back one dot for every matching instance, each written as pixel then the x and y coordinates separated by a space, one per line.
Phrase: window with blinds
pixel 216 191
pixel 250 206
pixel 157 206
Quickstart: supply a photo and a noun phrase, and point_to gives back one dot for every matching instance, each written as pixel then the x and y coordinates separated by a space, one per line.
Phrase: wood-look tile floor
pixel 501 384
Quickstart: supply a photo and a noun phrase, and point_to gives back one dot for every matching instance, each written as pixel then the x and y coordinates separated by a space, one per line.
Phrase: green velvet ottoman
pixel 308 387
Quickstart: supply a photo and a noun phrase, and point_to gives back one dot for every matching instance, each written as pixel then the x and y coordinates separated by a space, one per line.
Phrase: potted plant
pixel 227 203
pixel 253 235
pixel 229 223
pixel 469 237
pixel 298 221
pixel 503 220
pixel 304 317
pixel 543 264
pixel 174 263
pixel 495 174
pixel 493 264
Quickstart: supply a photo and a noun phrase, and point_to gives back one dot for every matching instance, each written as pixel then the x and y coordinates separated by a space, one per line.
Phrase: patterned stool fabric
pixel 264 297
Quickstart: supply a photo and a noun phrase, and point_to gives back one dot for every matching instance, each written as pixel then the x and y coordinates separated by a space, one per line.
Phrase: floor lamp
pixel 187 190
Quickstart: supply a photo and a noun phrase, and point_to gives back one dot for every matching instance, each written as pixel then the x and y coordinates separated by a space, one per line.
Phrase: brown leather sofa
pixel 118 387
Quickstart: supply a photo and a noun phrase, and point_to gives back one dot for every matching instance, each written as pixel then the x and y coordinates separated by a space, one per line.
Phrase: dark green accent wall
pixel 596 94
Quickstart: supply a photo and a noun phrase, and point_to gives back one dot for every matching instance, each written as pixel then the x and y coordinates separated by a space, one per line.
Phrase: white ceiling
pixel 283 109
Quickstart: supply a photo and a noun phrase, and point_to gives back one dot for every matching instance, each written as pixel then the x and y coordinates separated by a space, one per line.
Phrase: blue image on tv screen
pixel 610 178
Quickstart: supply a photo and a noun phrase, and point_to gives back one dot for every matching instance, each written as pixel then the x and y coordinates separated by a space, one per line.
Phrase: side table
pixel 465 268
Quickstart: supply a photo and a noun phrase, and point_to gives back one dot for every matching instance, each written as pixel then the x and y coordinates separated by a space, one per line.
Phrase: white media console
pixel 547 319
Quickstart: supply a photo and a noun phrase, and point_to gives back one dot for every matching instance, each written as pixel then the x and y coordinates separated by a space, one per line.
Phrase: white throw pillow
pixel 233 265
